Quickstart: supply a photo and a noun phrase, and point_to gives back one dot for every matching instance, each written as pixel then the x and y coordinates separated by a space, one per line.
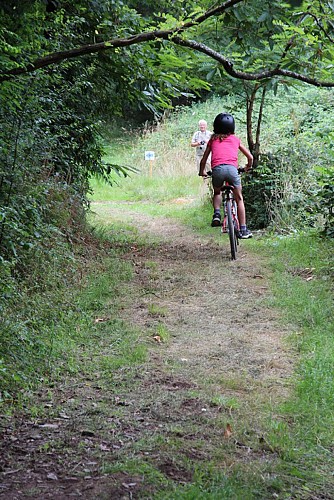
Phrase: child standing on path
pixel 224 147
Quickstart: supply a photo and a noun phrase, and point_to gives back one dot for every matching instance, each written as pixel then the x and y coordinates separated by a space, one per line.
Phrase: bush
pixel 297 144
pixel 325 200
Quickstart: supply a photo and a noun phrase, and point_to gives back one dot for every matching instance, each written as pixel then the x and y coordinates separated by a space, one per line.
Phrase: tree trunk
pixel 254 145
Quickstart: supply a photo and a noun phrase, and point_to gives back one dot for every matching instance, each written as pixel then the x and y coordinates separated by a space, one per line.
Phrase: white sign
pixel 149 155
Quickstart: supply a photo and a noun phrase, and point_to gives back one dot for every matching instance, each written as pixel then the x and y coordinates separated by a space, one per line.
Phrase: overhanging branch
pixel 149 36
pixel 172 35
pixel 242 75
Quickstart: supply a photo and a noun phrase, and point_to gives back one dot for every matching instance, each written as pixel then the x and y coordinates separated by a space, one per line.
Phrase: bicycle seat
pixel 227 187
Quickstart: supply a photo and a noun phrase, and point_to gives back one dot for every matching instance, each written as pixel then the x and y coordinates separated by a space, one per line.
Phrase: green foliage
pixel 49 128
pixel 48 155
pixel 51 146
pixel 325 200
pixel 285 190
pixel 258 188
pixel 32 318
pixel 45 326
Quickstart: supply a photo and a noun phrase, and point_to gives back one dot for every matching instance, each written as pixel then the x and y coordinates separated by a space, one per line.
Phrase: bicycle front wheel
pixel 231 230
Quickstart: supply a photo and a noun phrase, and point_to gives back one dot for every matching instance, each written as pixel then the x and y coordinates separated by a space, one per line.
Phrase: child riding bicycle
pixel 224 147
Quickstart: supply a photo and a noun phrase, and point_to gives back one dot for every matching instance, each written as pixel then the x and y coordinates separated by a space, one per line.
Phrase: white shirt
pixel 200 137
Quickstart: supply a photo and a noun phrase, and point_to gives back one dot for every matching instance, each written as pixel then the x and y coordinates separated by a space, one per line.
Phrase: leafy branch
pixel 173 36
pixel 318 23
pixel 256 76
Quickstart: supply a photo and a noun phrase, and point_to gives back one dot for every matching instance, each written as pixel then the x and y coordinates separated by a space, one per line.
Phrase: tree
pixel 303 44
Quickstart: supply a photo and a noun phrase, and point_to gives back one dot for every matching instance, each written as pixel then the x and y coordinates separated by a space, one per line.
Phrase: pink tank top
pixel 225 152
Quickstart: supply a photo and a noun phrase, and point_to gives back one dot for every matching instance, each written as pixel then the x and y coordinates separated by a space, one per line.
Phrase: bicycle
pixel 230 222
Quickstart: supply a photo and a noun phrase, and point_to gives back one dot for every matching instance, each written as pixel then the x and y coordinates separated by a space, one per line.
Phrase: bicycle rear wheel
pixel 231 231
pixel 236 222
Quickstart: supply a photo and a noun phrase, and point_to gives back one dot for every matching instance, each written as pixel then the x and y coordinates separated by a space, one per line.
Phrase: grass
pixel 303 434
pixel 141 187
pixel 71 320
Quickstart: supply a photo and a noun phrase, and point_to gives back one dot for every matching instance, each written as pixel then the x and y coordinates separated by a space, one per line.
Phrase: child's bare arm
pixel 248 155
pixel 202 171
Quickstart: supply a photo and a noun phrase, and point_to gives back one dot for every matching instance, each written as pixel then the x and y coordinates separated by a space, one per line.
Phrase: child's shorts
pixel 228 173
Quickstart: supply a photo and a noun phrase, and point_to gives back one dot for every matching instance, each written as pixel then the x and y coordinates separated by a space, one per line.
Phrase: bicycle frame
pixel 234 209
pixel 230 222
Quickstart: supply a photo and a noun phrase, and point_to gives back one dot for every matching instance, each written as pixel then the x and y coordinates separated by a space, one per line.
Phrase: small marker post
pixel 150 155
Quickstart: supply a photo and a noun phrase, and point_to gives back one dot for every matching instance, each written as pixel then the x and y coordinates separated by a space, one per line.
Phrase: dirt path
pixel 216 309
pixel 217 367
